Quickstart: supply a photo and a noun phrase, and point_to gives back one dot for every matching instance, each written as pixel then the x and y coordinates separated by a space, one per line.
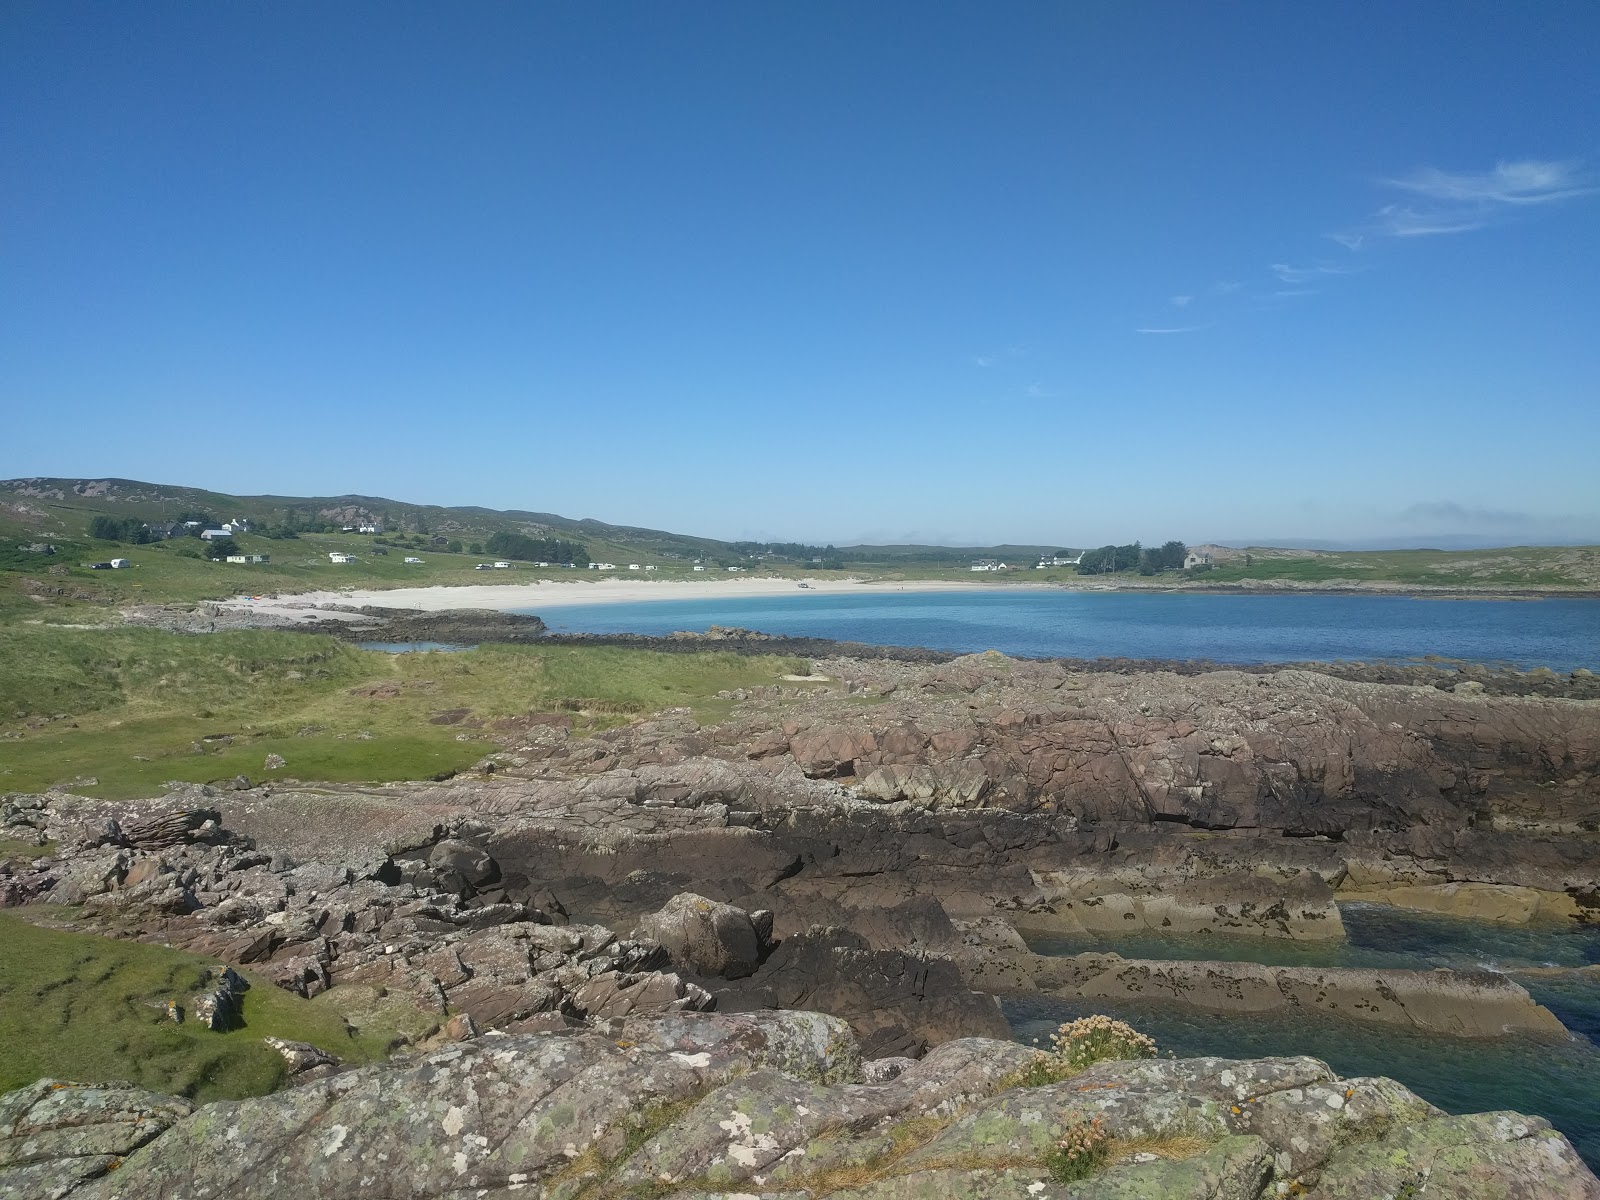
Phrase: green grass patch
pixel 21 850
pixel 81 1007
pixel 1516 566
pixel 134 708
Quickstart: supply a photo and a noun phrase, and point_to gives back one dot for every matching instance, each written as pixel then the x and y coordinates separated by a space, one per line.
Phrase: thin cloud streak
pixel 1450 202
pixel 1173 329
pixel 1527 182
pixel 1289 274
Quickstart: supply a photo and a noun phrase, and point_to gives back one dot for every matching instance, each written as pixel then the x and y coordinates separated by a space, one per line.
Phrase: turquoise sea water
pixel 1562 634
pixel 1559 1081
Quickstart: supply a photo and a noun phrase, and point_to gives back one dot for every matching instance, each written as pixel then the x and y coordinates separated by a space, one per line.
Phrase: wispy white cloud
pixel 1225 287
pixel 1182 301
pixel 1527 182
pixel 1445 202
pixel 1282 292
pixel 982 360
pixel 1289 274
pixel 1400 220
pixel 1172 329
pixel 1035 392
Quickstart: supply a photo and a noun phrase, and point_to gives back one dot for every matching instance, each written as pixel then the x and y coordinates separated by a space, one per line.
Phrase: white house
pixel 212 535
pixel 340 557
pixel 699 567
pixel 633 566
pixel 369 529
pixel 249 558
pixel 1196 559
pixel 988 564
pixel 502 565
pixel 410 559
pixel 1058 560
pixel 649 567
pixel 119 563
pixel 735 568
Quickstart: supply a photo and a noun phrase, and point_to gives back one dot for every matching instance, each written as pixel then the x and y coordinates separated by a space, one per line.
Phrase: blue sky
pixel 960 273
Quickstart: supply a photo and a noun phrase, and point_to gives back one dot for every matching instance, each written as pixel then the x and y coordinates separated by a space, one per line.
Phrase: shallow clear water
pixel 1559 633
pixel 1558 1081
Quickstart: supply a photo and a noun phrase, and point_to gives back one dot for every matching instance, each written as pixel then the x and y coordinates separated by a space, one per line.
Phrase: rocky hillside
pixel 780 1104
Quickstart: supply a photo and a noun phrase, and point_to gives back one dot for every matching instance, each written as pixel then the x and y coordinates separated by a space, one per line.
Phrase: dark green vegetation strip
pixel 81 1007
pixel 134 708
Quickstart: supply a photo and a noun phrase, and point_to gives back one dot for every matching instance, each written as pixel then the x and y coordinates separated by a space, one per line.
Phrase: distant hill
pixel 63 508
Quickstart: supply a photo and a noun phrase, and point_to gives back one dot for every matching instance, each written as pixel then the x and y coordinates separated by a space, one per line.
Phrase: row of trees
pixel 529 549
pixel 122 529
pixel 1168 556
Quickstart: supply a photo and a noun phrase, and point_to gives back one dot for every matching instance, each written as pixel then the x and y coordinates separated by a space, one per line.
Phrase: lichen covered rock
pixel 780 1105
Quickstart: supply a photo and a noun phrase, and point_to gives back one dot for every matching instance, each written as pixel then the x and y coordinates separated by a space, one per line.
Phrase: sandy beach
pixel 540 595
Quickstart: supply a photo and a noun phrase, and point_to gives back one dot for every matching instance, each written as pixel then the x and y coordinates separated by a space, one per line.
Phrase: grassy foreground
pixel 132 708
pixel 83 1007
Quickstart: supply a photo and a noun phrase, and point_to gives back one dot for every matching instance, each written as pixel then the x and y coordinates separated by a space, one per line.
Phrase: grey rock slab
pixel 766 1120
pixel 480 1115
pixel 1486 1156
pixel 55 1135
pixel 1305 1125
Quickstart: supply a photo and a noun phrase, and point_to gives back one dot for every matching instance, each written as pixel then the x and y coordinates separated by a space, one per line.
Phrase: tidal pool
pixel 1559 1081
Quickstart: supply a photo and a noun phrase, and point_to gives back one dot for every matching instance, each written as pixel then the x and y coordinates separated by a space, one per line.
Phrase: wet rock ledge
pixel 781 1105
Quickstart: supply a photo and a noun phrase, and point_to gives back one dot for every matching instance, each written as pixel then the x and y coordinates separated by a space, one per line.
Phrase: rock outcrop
pixel 697 1105
pixel 1458 1003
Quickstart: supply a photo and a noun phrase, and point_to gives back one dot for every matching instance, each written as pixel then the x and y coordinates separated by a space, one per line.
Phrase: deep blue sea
pixel 1562 634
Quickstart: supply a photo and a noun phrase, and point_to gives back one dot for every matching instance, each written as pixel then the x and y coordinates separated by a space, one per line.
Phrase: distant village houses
pixel 253 559
pixel 338 556
pixel 989 564
pixel 1058 560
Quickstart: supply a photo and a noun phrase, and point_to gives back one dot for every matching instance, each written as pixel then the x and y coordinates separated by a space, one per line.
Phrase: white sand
pixel 545 594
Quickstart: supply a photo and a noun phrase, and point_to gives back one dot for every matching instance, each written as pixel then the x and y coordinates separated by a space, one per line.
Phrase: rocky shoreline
pixel 785 1104
pixel 870 843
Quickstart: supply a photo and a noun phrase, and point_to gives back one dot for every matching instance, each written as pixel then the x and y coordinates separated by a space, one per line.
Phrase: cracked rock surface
pixel 779 1105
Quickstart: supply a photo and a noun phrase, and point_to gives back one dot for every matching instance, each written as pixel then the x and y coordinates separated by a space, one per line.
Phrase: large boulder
pixel 704 936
